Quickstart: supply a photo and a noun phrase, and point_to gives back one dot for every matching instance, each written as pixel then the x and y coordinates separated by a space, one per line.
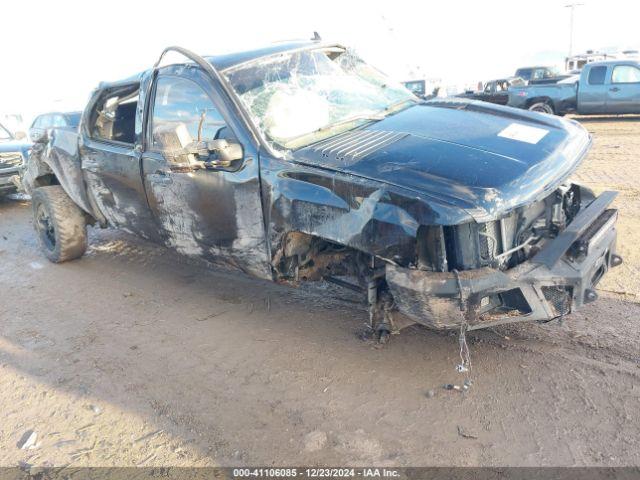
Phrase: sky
pixel 56 52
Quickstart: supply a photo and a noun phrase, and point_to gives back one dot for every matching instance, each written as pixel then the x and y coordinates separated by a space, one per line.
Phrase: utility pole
pixel 572 6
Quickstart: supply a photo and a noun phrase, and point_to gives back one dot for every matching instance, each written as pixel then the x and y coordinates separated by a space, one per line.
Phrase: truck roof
pixel 223 62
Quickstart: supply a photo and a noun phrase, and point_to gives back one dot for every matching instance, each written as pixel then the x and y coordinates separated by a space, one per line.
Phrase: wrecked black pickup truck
pixel 300 162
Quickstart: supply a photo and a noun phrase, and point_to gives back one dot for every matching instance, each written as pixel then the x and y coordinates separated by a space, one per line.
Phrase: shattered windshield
pixel 299 98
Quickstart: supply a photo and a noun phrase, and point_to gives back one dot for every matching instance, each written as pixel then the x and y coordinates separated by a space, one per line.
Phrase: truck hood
pixel 483 158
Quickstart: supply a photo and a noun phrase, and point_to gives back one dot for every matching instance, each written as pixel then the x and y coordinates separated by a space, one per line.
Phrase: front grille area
pixel 559 298
pixel 489 233
pixel 10 159
pixel 473 245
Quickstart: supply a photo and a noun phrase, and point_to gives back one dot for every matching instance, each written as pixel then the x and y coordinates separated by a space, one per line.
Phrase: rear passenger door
pixel 212 212
pixel 110 154
pixel 623 95
pixel 592 96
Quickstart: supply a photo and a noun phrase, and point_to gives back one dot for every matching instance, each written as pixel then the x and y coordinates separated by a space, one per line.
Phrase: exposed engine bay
pixel 468 273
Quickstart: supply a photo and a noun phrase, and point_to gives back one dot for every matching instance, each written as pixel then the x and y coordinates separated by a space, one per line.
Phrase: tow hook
pixel 590 296
pixel 615 260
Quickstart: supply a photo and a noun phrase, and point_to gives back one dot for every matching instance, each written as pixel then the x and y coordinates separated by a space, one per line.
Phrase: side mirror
pixel 220 153
pixel 227 152
pixel 212 155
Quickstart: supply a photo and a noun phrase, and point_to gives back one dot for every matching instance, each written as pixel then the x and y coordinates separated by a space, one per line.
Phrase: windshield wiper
pixel 372 117
pixel 395 106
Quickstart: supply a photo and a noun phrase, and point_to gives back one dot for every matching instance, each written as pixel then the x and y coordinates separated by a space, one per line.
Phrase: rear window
pixel 524 73
pixel 597 75
pixel 113 117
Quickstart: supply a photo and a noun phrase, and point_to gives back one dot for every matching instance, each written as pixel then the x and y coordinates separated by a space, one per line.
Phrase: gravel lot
pixel 134 355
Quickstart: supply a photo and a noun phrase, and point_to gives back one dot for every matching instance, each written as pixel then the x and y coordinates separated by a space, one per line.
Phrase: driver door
pixel 209 211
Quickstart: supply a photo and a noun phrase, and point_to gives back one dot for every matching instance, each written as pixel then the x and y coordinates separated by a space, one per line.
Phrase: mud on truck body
pixel 300 162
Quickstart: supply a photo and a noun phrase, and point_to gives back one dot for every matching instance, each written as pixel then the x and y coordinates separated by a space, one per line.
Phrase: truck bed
pixel 562 97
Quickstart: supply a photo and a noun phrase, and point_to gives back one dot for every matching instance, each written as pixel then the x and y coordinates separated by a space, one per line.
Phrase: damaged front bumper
pixel 556 281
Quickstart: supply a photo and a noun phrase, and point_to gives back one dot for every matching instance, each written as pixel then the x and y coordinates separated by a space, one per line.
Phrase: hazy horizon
pixel 63 50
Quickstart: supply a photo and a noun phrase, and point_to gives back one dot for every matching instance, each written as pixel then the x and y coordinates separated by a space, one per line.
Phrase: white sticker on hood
pixel 523 133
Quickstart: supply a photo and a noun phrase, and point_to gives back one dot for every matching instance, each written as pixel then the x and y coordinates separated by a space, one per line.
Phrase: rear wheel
pixel 542 107
pixel 60 224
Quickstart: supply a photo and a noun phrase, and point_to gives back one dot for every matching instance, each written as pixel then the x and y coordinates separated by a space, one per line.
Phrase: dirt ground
pixel 134 355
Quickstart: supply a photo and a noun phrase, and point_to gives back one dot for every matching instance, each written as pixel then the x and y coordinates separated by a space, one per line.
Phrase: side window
pixel 37 123
pixel 597 75
pixel 113 117
pixel 44 121
pixel 625 74
pixel 58 121
pixel 182 114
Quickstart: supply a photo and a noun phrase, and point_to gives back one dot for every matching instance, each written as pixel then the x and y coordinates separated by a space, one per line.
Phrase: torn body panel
pixel 366 215
pixel 56 155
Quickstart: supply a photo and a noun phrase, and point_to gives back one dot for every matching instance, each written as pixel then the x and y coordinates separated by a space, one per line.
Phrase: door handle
pixel 614 89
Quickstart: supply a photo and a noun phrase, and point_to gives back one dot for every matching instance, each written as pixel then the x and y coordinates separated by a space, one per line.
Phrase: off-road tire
pixel 60 224
pixel 542 107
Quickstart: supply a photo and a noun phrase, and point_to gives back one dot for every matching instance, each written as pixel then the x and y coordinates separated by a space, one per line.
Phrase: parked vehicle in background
pixel 44 122
pixel 13 152
pixel 419 89
pixel 631 55
pixel 611 87
pixel 494 91
pixel 300 162
pixel 14 123
pixel 577 62
pixel 540 74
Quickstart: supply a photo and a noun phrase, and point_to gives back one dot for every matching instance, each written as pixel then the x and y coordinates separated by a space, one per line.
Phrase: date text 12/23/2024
pixel 315 473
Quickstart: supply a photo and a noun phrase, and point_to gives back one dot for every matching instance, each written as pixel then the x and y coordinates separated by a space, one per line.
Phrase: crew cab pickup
pixel 610 87
pixel 300 162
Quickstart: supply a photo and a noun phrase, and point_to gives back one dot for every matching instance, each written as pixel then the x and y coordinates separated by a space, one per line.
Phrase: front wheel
pixel 542 107
pixel 60 224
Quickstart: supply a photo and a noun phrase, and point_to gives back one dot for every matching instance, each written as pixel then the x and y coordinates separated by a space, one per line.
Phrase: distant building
pixel 576 62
